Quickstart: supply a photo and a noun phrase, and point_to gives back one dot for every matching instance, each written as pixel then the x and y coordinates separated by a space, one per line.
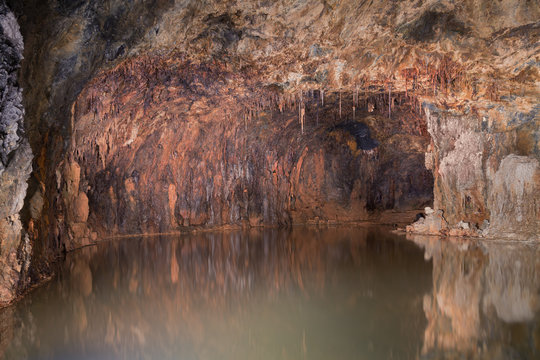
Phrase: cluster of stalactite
pixel 282 157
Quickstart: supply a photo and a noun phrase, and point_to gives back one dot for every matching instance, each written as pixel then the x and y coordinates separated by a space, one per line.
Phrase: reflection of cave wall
pixel 190 283
pixel 485 296
pixel 173 144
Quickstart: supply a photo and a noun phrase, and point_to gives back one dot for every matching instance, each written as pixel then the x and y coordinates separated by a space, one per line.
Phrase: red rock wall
pixel 159 143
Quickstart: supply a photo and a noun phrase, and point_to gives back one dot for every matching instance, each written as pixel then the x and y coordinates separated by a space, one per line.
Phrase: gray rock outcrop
pixel 15 161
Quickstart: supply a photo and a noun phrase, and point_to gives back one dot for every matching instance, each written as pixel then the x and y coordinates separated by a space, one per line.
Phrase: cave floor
pixel 338 292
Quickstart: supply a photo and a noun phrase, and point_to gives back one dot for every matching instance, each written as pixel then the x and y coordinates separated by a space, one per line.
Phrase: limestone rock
pixel 225 166
pixel 470 66
pixel 433 224
pixel 514 198
pixel 15 163
pixel 479 177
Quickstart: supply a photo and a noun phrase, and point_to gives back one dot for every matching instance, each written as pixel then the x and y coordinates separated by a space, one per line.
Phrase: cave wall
pixel 160 143
pixel 486 168
pixel 474 60
pixel 15 161
pixel 66 42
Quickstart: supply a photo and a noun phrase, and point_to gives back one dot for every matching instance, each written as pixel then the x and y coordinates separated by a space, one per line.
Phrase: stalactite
pixel 389 100
pixel 301 112
pixel 365 98
pixel 317 113
pixel 302 116
pixel 340 103
pixel 406 86
pixel 355 100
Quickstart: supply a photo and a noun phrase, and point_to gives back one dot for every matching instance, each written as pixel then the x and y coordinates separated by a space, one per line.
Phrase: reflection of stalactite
pixel 185 282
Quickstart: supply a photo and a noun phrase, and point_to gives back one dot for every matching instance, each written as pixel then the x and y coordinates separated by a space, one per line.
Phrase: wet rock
pixel 78 235
pixel 433 224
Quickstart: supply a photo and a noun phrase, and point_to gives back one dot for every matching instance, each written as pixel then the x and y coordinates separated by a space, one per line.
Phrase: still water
pixel 305 293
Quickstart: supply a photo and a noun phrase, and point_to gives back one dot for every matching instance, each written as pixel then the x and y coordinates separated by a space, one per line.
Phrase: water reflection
pixel 338 293
pixel 485 299
pixel 271 294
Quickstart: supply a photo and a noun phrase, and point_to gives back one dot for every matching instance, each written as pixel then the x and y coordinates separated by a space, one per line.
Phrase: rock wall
pixel 15 162
pixel 67 42
pixel 473 65
pixel 160 143
pixel 486 168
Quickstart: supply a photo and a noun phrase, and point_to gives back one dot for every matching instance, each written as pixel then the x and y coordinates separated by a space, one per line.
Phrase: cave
pixel 269 179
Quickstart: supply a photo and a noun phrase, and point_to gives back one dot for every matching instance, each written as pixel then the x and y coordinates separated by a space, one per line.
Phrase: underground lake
pixel 358 292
